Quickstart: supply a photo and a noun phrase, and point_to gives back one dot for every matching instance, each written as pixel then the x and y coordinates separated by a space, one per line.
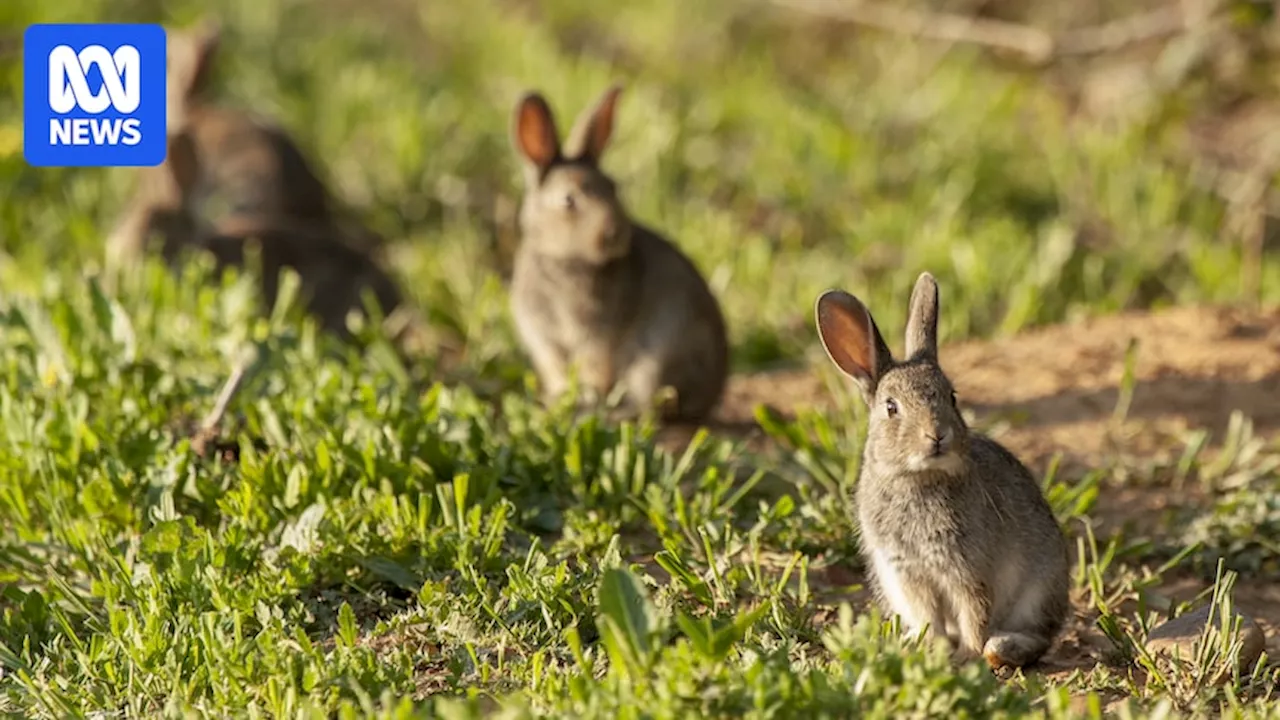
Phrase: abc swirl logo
pixel 69 89
pixel 94 95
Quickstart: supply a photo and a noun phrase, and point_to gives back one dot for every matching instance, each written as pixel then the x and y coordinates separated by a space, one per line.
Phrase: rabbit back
pixel 681 326
pixel 334 276
pixel 224 163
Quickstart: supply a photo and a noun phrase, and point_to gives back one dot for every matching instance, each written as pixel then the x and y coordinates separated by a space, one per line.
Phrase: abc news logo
pixel 94 95
pixel 69 89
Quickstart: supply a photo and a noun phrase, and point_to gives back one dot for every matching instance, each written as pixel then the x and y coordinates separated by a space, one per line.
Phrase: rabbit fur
pixel 334 276
pixel 594 291
pixel 954 529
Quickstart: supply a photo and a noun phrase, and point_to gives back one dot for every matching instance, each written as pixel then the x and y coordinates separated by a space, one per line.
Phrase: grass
pixel 389 545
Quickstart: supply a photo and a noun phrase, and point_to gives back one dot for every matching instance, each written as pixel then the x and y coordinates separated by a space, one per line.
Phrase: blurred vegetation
pixel 375 549
pixel 786 152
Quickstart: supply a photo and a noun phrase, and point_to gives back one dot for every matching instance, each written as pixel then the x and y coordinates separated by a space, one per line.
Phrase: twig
pixel 229 390
pixel 209 426
pixel 1036 45
pixel 1117 34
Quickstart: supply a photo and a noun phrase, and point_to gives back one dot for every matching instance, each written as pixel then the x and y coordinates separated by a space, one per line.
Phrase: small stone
pixel 1182 634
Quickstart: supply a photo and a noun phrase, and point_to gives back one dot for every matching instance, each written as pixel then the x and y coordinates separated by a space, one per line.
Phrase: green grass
pixel 388 545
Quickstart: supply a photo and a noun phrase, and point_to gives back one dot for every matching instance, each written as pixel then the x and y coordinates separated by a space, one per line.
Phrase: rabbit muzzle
pixel 938 452
pixel 614 240
pixel 940 442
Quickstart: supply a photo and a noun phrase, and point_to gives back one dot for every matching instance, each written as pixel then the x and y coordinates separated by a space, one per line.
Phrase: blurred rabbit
pixel 955 530
pixel 247 165
pixel 333 273
pixel 593 289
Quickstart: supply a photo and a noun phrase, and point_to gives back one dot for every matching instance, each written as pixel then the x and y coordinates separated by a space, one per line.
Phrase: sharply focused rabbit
pixel 955 530
pixel 229 177
pixel 594 290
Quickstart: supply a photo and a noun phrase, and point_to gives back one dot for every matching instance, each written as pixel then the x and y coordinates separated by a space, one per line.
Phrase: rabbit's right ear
pixel 535 135
pixel 852 340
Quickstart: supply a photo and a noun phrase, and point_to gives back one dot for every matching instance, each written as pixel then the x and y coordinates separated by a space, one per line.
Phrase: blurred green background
pixel 787 152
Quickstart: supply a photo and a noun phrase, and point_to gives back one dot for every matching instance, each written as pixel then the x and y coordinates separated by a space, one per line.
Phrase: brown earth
pixel 1057 387
pixel 1056 390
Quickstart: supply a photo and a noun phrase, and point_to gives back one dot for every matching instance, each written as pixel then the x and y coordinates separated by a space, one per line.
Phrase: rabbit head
pixel 571 209
pixel 915 424
pixel 190 53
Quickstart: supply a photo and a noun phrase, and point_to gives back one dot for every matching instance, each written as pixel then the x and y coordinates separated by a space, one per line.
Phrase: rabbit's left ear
pixel 922 323
pixel 591 133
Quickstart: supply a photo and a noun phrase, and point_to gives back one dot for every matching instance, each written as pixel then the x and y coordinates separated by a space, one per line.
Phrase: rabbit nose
pixel 940 440
pixel 612 237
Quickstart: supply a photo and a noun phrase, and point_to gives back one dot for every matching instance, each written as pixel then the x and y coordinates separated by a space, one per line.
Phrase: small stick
pixel 229 390
pixel 209 426
pixel 1031 42
pixel 1118 34
pixel 1035 44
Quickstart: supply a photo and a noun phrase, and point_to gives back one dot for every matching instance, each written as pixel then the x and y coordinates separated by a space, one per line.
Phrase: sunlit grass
pixel 389 543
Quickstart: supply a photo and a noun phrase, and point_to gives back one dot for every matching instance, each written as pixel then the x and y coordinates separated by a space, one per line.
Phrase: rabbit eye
pixel 953 398
pixel 891 407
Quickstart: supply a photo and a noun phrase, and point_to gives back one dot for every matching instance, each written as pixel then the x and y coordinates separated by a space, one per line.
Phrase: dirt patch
pixel 1055 389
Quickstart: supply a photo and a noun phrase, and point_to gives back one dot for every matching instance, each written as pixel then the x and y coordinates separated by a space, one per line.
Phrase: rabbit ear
pixel 922 321
pixel 535 135
pixel 851 339
pixel 190 57
pixel 591 132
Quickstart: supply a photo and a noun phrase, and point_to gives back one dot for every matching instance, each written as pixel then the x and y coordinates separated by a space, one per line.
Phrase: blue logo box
pixel 94 95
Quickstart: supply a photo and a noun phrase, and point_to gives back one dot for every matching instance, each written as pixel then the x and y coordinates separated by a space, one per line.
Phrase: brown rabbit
pixel 247 165
pixel 334 274
pixel 955 530
pixel 593 289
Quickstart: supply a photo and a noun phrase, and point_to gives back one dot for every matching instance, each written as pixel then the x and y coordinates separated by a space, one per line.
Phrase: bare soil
pixel 1057 387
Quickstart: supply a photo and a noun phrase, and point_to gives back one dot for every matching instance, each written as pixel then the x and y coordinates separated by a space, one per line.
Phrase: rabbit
pixel 957 536
pixel 596 291
pixel 248 165
pixel 334 274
